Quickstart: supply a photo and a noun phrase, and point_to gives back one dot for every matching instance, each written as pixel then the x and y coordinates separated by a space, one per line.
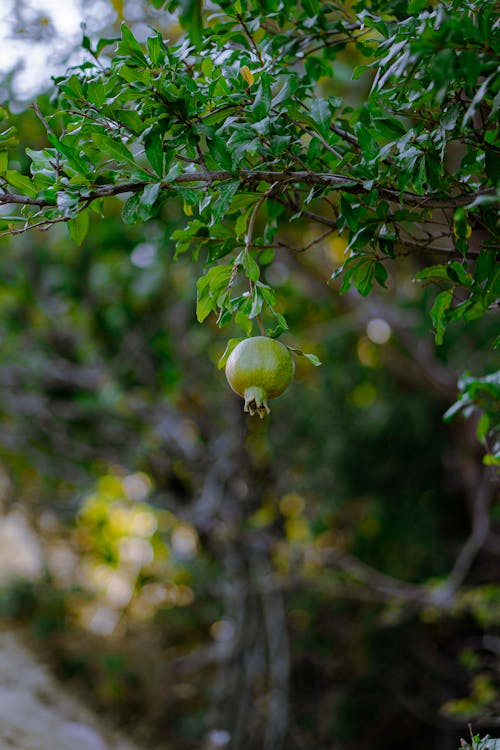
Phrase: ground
pixel 36 713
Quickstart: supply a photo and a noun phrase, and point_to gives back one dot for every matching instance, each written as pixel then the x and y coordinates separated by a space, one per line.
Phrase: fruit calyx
pixel 256 401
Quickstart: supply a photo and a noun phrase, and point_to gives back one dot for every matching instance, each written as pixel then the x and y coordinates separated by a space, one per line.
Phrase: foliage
pixel 480 743
pixel 243 119
pixel 482 395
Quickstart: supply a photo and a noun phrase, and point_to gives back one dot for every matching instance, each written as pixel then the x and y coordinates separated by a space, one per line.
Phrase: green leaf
pixel 280 328
pixel 156 49
pixel 478 96
pixel 257 302
pixel 143 205
pixel 130 47
pixel 8 137
pixel 209 288
pixel 153 145
pixel 288 87
pixel 252 269
pixel 96 93
pixel 381 274
pixel 311 7
pixel 415 6
pixel 205 303
pixel 389 127
pixel 492 288
pixel 131 208
pixel 437 272
pixel 241 223
pixel 20 182
pixel 438 313
pixel 4 161
pixel 484 264
pixel 459 274
pixel 113 148
pixel 322 116
pixel 97 207
pixel 243 321
pixel 483 426
pixel 73 157
pixel 130 119
pixel 262 102
pixel 218 148
pixel 225 317
pixel 72 87
pixel 78 227
pixel 104 42
pixel 150 194
pixel 67 203
pixel 267 256
pixel 207 66
pixel 360 276
pixel 491 460
pixel 191 18
pixel 348 213
pixel 220 205
pixel 227 351
pixel 315 360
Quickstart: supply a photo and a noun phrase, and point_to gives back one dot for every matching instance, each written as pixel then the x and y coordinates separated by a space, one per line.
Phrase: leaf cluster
pixel 481 397
pixel 242 121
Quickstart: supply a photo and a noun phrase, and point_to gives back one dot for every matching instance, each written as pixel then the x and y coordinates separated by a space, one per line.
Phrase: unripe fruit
pixel 259 369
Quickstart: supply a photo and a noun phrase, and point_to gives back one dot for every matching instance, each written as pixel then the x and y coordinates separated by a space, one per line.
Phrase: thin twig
pixel 42 118
pixel 248 245
pixel 310 244
pixel 403 247
pixel 253 216
pixel 332 223
pixel 250 38
pixel 317 135
pixel 341 40
pixel 46 125
pixel 42 225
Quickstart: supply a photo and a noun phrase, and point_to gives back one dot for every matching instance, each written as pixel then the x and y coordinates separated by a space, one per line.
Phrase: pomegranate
pixel 259 369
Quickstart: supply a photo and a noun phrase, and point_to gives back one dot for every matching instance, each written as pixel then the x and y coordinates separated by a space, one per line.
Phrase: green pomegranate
pixel 259 369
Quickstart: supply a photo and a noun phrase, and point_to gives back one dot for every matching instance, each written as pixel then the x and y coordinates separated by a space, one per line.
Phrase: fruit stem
pixel 261 325
pixel 256 401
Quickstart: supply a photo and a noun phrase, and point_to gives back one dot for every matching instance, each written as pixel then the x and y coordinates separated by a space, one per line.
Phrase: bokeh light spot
pixel 184 542
pixel 363 395
pixel 378 330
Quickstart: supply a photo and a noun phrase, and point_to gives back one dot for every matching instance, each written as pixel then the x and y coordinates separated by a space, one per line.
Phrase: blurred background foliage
pixel 210 580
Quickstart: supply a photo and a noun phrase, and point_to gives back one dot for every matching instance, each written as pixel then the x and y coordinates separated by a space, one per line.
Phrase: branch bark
pixel 249 176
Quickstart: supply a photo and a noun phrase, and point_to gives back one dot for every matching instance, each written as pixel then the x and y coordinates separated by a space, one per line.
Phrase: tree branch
pixel 473 544
pixel 7 199
pixel 405 247
pixel 278 654
pixel 250 176
pixel 250 38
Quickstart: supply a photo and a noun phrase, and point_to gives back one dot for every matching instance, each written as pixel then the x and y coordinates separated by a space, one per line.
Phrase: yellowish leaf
pixel 247 74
